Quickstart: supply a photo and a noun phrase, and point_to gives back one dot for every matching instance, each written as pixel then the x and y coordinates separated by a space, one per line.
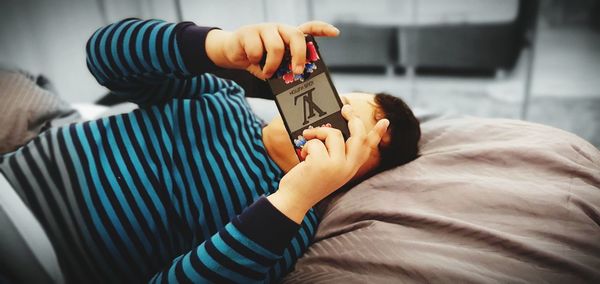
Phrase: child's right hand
pixel 330 163
pixel 244 48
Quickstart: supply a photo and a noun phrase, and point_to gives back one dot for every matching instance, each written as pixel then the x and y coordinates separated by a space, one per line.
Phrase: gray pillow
pixel 27 107
pixel 26 253
pixel 489 200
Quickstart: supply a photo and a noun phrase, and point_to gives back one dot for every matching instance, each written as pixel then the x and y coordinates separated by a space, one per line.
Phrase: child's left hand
pixel 244 48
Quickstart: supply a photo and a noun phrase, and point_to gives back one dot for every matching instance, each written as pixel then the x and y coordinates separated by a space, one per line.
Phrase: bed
pixel 488 200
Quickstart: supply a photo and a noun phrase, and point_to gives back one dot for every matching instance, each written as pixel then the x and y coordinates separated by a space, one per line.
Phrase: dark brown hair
pixel 404 132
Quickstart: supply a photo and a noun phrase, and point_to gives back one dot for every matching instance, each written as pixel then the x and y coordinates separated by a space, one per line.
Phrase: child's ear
pixel 386 139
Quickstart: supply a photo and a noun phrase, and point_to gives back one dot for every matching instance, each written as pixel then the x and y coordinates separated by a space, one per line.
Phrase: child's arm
pixel 150 62
pixel 248 248
pixel 259 245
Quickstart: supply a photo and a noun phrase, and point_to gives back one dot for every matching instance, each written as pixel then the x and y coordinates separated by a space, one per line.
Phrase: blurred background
pixel 531 60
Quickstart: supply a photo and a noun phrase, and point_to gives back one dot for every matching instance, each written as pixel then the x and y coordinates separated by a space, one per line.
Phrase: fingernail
pixel 336 30
pixel 298 69
pixel 386 123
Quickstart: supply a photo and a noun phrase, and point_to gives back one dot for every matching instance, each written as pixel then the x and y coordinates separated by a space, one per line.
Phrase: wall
pixel 49 36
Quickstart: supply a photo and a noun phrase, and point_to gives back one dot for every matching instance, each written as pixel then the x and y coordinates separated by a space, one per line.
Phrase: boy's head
pixel 397 147
pixel 400 144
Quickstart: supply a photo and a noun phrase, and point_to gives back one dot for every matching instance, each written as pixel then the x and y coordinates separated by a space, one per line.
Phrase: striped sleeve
pixel 244 251
pixel 150 61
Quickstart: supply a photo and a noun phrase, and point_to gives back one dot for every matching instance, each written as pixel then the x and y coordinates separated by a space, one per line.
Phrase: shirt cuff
pixel 266 225
pixel 191 40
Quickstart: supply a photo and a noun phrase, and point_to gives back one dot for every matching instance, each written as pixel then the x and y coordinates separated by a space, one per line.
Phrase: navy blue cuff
pixel 267 226
pixel 191 40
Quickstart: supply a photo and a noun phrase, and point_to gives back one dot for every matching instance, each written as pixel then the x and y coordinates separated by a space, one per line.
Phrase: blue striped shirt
pixel 171 192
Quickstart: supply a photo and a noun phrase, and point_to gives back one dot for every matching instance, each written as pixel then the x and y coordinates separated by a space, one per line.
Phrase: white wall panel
pixel 288 12
pixel 48 37
pixel 144 9
pixel 227 15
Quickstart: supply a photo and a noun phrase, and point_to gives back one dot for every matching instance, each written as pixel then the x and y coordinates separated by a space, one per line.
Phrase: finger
pixel 334 140
pixel 275 49
pixel 294 38
pixel 377 133
pixel 320 133
pixel 355 124
pixel 303 153
pixel 315 149
pixel 359 148
pixel 319 28
pixel 255 70
pixel 356 153
pixel 253 47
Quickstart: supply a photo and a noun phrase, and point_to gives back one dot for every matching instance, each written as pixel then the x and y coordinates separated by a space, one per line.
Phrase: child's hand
pixel 244 48
pixel 329 164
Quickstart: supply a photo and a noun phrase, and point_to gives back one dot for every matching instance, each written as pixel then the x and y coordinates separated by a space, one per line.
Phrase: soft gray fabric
pixel 18 263
pixel 26 255
pixel 488 201
pixel 27 106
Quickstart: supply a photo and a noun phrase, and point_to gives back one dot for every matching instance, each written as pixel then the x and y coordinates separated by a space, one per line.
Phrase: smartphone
pixel 309 99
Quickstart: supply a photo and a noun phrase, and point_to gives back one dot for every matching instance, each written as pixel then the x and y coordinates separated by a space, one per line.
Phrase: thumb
pixel 377 133
pixel 255 70
pixel 319 28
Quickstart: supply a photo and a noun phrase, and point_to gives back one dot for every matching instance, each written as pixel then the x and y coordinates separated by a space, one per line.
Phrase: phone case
pixel 307 100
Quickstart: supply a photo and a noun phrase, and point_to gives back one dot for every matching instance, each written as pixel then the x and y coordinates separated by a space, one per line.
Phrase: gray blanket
pixel 28 106
pixel 488 201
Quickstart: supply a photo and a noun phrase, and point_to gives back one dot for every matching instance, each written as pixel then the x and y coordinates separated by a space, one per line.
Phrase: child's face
pixel 363 105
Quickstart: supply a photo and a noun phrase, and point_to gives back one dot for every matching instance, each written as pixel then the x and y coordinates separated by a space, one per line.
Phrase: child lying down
pixel 192 186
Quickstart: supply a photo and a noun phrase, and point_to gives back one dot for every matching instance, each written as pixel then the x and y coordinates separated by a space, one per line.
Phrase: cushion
pixel 27 255
pixel 489 200
pixel 28 105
